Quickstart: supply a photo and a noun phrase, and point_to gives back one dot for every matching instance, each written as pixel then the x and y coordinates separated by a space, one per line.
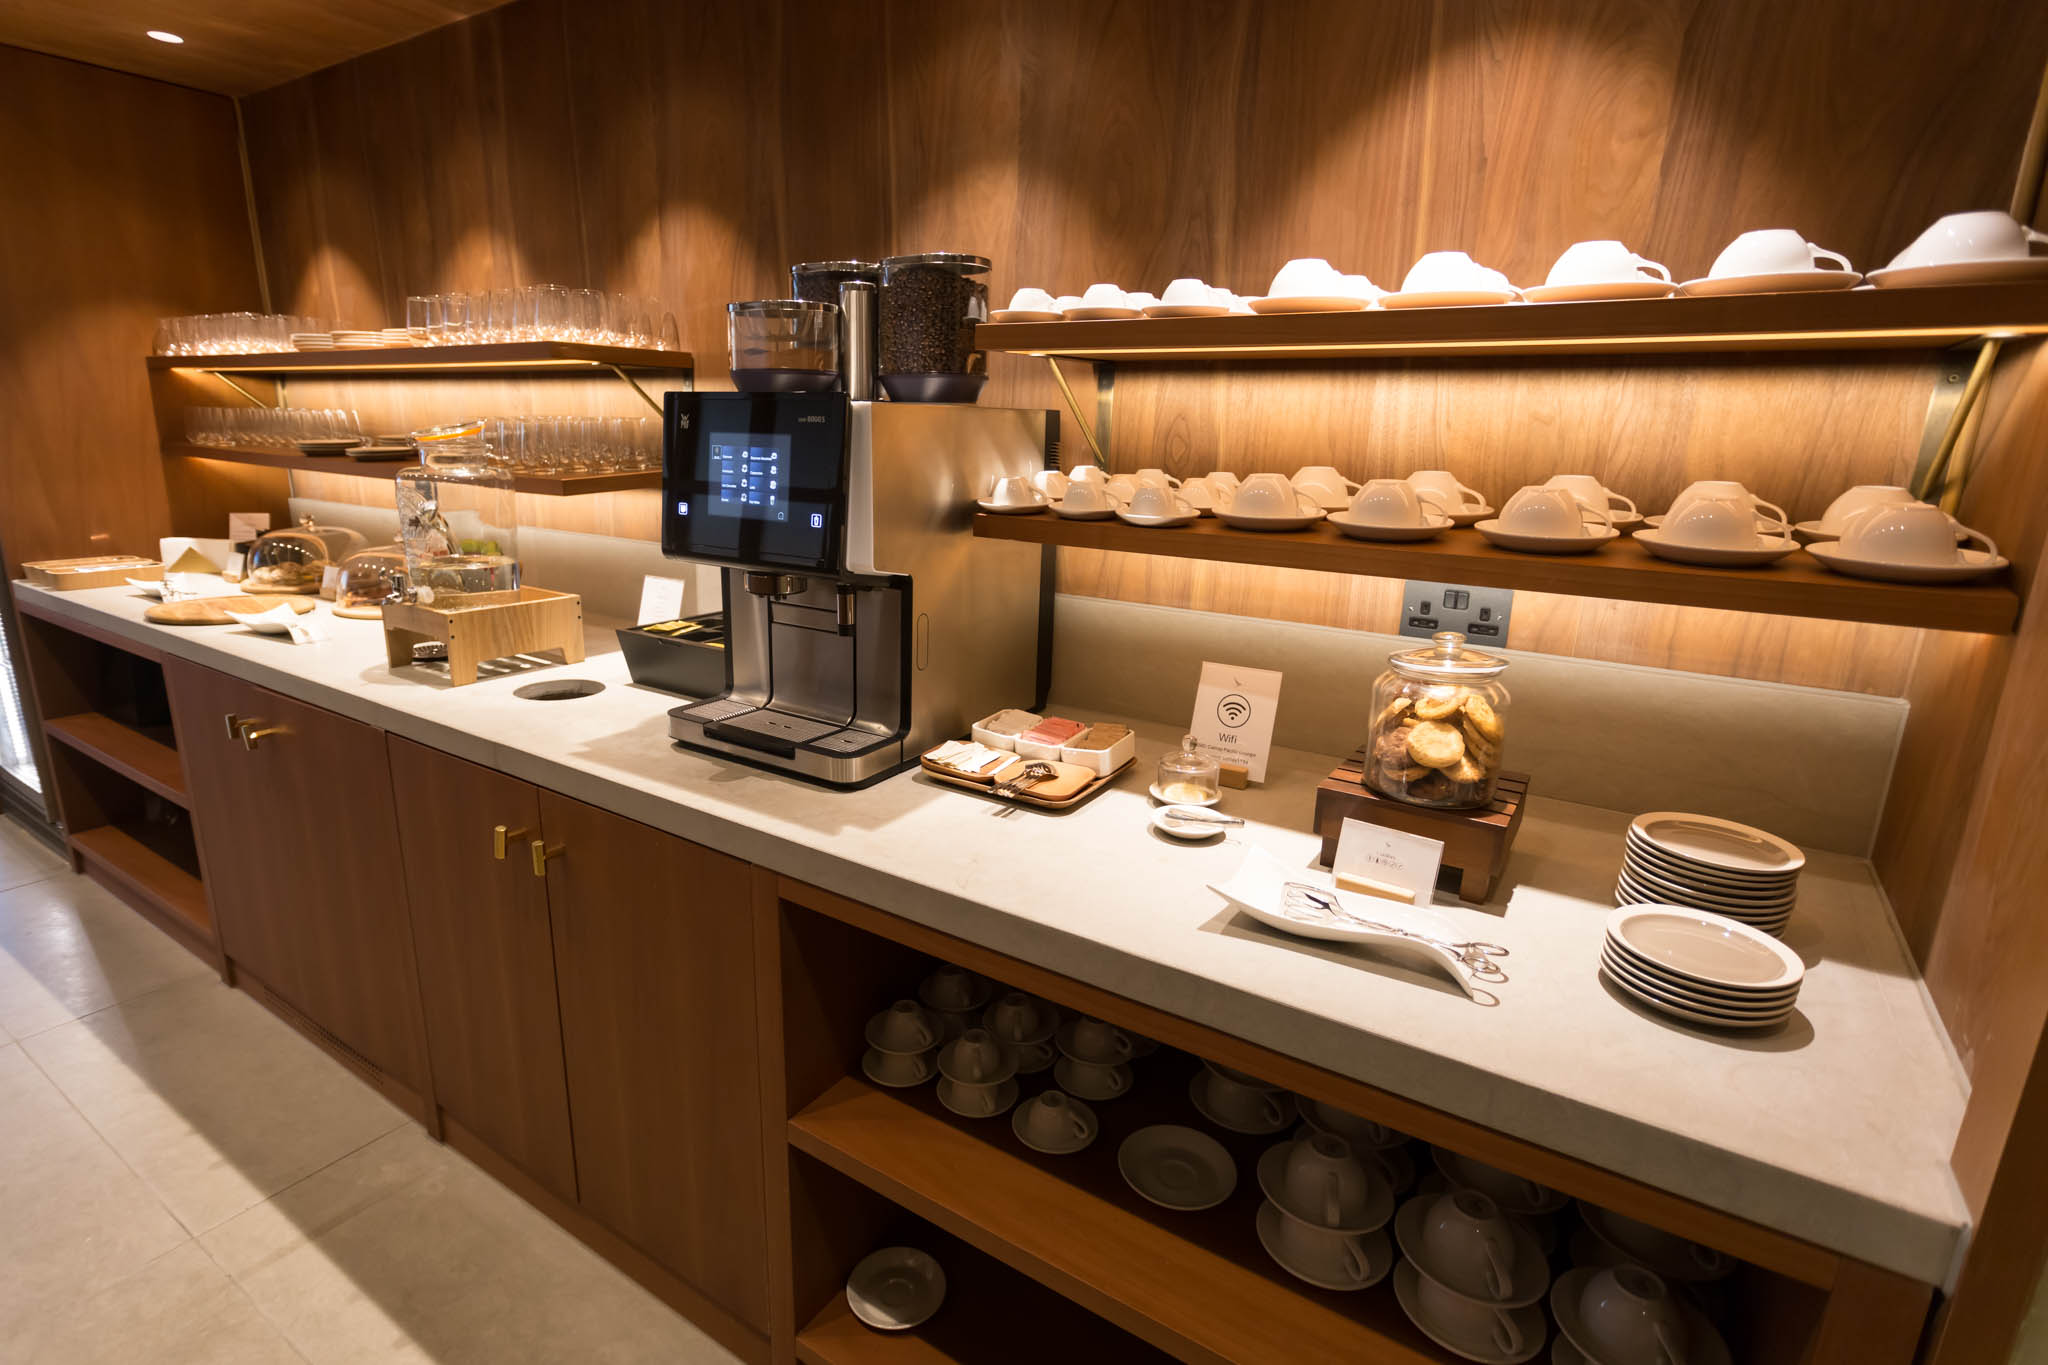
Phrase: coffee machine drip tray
pixel 740 729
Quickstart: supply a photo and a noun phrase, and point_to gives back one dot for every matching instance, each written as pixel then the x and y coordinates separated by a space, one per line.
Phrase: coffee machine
pixel 865 620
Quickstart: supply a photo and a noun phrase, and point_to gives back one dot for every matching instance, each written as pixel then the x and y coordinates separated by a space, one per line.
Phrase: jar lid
pixel 453 431
pixel 1446 657
pixel 836 266
pixel 1189 757
pixel 958 260
pixel 779 308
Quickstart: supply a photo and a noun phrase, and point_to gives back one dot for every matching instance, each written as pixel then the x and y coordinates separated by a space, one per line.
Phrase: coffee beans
pixel 929 307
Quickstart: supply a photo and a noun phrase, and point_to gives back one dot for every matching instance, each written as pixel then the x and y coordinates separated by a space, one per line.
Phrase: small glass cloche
pixel 297 559
pixel 369 579
pixel 1188 777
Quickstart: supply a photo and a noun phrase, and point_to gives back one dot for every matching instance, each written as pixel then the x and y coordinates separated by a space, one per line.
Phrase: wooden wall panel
pixel 123 204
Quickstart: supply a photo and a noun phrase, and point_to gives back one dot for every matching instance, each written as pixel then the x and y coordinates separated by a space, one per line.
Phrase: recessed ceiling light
pixel 164 37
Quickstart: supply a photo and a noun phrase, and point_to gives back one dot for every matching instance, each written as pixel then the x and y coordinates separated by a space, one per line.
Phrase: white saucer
pixel 1468 516
pixel 1100 314
pixel 1587 293
pixel 872 1059
pixel 1366 530
pixel 1197 1096
pixel 1787 282
pixel 1529 1320
pixel 1087 1114
pixel 896 1288
pixel 2012 270
pixel 1174 519
pixel 1719 843
pixel 1710 949
pixel 1100 514
pixel 1530 1273
pixel 1653 540
pixel 1686 1013
pixel 1186 310
pixel 1646 879
pixel 1703 1343
pixel 1004 509
pixel 1377 1210
pixel 1308 303
pixel 1623 974
pixel 1177 1167
pixel 1690 870
pixel 1158 795
pixel 1191 831
pixel 1708 995
pixel 1543 545
pixel 1448 298
pixel 1379 1254
pixel 1299 521
pixel 1067 1072
pixel 1969 564
pixel 1005 1096
pixel 1023 315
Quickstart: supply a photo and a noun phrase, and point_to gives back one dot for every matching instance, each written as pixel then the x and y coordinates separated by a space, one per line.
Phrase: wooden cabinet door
pixel 487 960
pixel 654 960
pixel 300 842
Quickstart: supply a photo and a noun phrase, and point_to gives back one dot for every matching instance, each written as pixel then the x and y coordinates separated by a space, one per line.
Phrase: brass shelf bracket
pixel 1104 385
pixel 229 381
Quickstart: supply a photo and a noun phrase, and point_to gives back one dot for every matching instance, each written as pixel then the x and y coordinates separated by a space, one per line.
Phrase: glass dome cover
pixel 369 579
pixel 296 560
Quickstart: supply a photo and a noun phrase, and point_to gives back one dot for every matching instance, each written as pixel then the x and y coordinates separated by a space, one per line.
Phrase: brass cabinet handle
pixel 235 724
pixel 541 854
pixel 254 730
pixel 500 836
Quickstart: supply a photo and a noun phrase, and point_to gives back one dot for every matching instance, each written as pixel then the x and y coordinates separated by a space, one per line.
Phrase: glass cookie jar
pixel 1439 720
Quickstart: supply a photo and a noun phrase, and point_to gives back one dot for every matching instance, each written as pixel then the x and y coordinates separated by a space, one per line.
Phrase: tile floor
pixel 185 1179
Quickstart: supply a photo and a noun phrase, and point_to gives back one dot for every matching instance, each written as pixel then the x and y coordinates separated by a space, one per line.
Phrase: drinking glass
pixel 455 319
pixel 587 314
pixel 552 320
pixel 504 312
pixel 422 315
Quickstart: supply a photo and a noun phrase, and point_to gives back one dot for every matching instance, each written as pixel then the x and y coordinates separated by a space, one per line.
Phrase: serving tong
pixel 1310 902
pixel 1035 772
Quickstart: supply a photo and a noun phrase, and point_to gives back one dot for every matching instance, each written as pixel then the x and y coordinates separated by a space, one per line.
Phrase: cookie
pixel 1435 744
pixel 1435 787
pixel 1395 708
pixel 1466 771
pixel 1437 708
pixel 1483 718
pixel 1481 749
pixel 1391 749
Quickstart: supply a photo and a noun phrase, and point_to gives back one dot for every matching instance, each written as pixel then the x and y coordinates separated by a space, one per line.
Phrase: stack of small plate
pixel 1701 968
pixel 1730 869
pixel 312 341
pixel 355 341
pixel 397 336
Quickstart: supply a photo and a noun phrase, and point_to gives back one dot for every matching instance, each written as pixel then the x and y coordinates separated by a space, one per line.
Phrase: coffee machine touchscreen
pixel 756 480
pixel 751 475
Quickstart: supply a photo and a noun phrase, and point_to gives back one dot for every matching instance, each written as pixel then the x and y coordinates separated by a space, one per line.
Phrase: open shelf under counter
pixel 1827 321
pixel 501 357
pixel 550 485
pixel 1622 569
pixel 136 867
pixel 147 757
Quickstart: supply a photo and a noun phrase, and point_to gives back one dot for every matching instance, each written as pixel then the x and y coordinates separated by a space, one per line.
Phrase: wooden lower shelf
pixel 145 874
pixel 1197 1285
pixel 549 485
pixel 1623 569
pixel 137 755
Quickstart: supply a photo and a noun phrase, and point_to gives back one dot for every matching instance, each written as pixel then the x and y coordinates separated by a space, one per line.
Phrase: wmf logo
pixel 1233 710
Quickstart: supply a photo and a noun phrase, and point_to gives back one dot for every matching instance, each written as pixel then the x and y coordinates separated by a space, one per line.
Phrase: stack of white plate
pixel 312 341
pixel 351 341
pixel 396 336
pixel 1701 968
pixel 1731 869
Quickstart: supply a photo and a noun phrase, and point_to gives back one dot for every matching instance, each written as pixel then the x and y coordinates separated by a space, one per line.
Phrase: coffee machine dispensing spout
pixel 774 584
pixel 846 592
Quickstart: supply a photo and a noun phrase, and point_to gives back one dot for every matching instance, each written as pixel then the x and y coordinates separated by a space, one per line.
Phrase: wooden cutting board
pixel 213 611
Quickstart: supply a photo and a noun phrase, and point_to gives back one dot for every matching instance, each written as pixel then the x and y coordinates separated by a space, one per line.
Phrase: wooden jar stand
pixel 487 626
pixel 1476 842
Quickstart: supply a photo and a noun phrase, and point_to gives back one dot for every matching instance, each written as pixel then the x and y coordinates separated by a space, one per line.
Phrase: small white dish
pixel 1774 549
pixel 1379 1255
pixel 1448 298
pixel 2008 270
pixel 1158 523
pixel 1786 282
pixel 1360 529
pixel 1186 310
pixel 895 1289
pixel 1060 509
pixel 873 1062
pixel 977 1101
pixel 1100 314
pixel 1023 315
pixel 1098 1083
pixel 1299 521
pixel 1703 1343
pixel 1377 1211
pixel 1198 1091
pixel 148 587
pixel 1308 303
pixel 1970 564
pixel 1158 795
pixel 1588 293
pixel 1006 509
pixel 1528 1323
pixel 1177 1167
pixel 1192 831
pixel 1471 516
pixel 1544 545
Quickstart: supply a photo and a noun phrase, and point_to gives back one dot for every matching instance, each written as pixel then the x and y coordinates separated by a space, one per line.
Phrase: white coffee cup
pixel 1140 299
pixel 1013 492
pixel 1050 482
pixel 1052 1120
pixel 1356 1129
pixel 1456 496
pixel 1646 1243
pixel 1603 262
pixel 1100 1078
pixel 1593 493
pixel 981 1100
pixel 1188 294
pixel 1122 486
pixel 1306 277
pixel 1714 524
pixel 975 1058
pixel 1097 1042
pixel 1325 484
pixel 1240 1105
pixel 1200 493
pixel 1033 301
pixel 1065 302
pixel 1918 534
pixel 1359 287
pixel 1222 480
pixel 1860 498
pixel 1017 1018
pixel 1154 474
pixel 1324 1254
pixel 1505 1188
pixel 1269 495
pixel 1469 1244
pixel 1985 235
pixel 1089 497
pixel 1452 272
pixel 902 1068
pixel 1325 1181
pixel 1464 1320
pixel 1632 1318
pixel 1104 296
pixel 1551 512
pixel 1772 251
pixel 952 988
pixel 905 1026
pixel 1087 473
pixel 1775 522
pixel 1395 502
pixel 1157 500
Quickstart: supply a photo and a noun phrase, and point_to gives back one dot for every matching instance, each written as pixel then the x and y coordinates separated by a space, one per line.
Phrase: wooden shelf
pixel 1844 320
pixel 1623 569
pixel 507 357
pixel 139 756
pixel 134 867
pixel 550 485
pixel 1197 1285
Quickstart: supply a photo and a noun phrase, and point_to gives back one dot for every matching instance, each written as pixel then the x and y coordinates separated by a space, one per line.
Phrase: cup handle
pixel 1122 1045
pixel 1625 504
pixel 1598 516
pixel 1473 497
pixel 1119 1081
pixel 1172 482
pixel 1355 1264
pixel 1349 486
pixel 1990 546
pixel 1430 497
pixel 1706 1258
pixel 1332 1210
pixel 1645 263
pixel 2034 235
pixel 1305 502
pixel 1182 506
pixel 1078 1124
pixel 1506 1333
pixel 1778 513
pixel 1821 253
pixel 1671 1352
pixel 1269 1105
pixel 924 1033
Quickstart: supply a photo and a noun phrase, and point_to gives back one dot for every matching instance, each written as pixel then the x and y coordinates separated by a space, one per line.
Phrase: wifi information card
pixel 1234 711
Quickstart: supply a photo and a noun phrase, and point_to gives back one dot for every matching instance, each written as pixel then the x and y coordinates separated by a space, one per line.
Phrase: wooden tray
pixel 486 626
pixel 213 611
pixel 1476 842
pixel 93 571
pixel 1024 798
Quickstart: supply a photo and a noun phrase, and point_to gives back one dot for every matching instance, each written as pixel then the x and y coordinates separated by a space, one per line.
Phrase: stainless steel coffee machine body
pixel 865 620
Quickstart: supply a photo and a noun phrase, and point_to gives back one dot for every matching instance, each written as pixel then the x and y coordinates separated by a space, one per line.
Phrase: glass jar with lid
pixel 457 517
pixel 930 304
pixel 1439 720
pixel 296 559
pixel 783 345
pixel 819 281
pixel 1188 776
pixel 370 578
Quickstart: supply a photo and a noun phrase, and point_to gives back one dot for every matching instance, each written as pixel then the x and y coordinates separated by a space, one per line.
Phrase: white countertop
pixel 1836 1129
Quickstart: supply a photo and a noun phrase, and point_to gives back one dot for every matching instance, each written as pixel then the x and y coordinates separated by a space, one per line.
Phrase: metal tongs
pixel 1034 773
pixel 1300 898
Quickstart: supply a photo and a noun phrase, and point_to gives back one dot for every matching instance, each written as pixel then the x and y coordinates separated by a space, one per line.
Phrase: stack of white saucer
pixel 1700 968
pixel 1731 869
pixel 312 341
pixel 358 340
